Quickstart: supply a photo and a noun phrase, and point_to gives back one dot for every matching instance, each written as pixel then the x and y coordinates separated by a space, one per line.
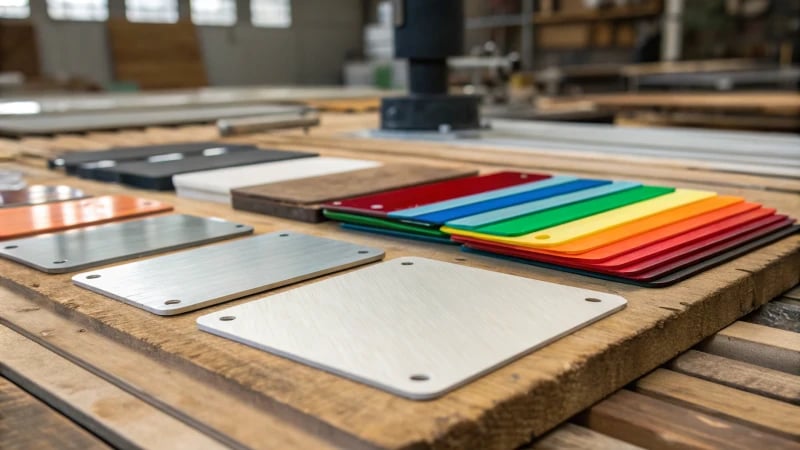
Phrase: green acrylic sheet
pixel 377 222
pixel 563 214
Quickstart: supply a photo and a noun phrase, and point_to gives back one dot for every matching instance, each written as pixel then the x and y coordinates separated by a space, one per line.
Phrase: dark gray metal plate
pixel 93 246
pixel 34 195
pixel 413 326
pixel 185 281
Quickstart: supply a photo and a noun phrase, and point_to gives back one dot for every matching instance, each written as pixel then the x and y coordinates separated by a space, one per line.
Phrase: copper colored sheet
pixel 50 217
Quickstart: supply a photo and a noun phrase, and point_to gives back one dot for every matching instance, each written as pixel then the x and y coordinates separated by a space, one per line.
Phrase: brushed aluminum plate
pixel 193 279
pixel 413 326
pixel 36 194
pixel 93 246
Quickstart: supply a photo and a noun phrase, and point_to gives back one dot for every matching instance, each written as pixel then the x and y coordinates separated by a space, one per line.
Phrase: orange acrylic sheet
pixel 27 220
pixel 714 204
pixel 745 213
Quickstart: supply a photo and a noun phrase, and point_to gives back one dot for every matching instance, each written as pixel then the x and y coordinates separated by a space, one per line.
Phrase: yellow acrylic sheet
pixel 593 224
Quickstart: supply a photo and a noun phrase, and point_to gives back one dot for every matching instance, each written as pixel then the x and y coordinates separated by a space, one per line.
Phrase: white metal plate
pixel 93 246
pixel 193 279
pixel 412 326
pixel 216 185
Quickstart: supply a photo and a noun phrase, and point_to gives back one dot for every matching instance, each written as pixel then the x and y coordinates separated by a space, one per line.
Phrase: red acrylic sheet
pixel 667 251
pixel 722 220
pixel 664 262
pixel 385 202
pixel 664 269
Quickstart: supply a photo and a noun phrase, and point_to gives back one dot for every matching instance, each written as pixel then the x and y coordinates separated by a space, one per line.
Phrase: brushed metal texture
pixel 36 194
pixel 93 246
pixel 413 326
pixel 193 279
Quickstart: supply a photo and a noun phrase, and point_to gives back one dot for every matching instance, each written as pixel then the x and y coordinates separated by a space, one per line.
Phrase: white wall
pixel 312 51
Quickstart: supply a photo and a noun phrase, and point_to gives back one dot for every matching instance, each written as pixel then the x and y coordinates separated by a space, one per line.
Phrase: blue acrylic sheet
pixel 497 215
pixel 490 201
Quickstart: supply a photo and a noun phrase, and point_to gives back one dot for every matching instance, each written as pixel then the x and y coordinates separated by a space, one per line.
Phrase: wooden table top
pixel 242 397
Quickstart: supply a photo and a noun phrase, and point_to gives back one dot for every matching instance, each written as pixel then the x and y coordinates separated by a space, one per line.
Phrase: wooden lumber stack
pixel 156 56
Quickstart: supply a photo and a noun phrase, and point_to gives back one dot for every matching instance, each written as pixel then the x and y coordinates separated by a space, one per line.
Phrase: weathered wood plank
pixel 27 423
pixel 756 344
pixel 658 425
pixel 715 399
pixel 301 199
pixel 107 411
pixel 747 377
pixel 576 437
pixel 209 404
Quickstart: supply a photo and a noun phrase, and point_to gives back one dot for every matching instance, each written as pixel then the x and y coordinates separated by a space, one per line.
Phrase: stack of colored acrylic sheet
pixel 385 212
pixel 618 230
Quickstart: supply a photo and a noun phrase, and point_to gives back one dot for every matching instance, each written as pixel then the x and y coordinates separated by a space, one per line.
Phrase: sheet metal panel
pixel 413 326
pixel 93 246
pixel 193 279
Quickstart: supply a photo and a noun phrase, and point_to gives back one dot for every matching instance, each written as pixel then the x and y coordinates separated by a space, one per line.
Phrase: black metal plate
pixel 158 175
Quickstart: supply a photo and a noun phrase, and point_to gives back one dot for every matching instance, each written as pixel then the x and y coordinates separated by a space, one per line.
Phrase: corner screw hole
pixel 407 263
pixel 227 318
pixel 92 277
pixel 172 302
pixel 11 247
pixel 419 377
pixel 593 299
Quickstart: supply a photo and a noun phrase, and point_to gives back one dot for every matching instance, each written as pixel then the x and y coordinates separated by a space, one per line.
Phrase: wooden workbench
pixel 133 378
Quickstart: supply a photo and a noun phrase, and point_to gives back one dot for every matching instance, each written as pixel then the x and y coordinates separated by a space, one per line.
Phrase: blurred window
pixel 214 12
pixel 157 11
pixel 14 9
pixel 271 13
pixel 84 10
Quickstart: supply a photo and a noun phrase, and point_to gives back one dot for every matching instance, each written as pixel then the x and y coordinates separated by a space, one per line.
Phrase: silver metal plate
pixel 185 281
pixel 412 326
pixel 93 246
pixel 37 194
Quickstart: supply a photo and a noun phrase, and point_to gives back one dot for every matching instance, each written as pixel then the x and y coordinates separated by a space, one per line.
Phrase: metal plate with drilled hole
pixel 193 279
pixel 72 161
pixel 34 195
pixel 413 326
pixel 93 246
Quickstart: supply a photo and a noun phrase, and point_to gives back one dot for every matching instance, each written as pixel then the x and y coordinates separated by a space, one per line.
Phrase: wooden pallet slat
pixel 111 413
pixel 27 423
pixel 747 377
pixel 659 425
pixel 757 344
pixel 571 436
pixel 770 415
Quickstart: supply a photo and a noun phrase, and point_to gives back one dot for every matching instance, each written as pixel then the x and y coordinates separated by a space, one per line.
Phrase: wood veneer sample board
pixel 302 199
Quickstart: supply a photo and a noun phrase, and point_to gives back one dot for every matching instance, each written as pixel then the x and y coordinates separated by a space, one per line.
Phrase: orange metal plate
pixel 731 217
pixel 27 220
pixel 705 211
